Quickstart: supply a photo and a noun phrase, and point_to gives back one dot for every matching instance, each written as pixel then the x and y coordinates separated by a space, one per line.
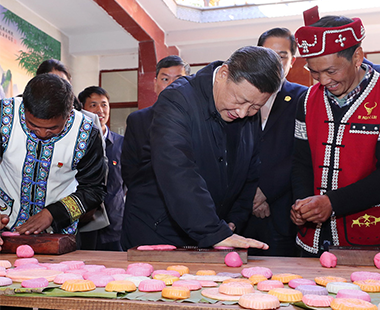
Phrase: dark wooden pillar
pixel 132 17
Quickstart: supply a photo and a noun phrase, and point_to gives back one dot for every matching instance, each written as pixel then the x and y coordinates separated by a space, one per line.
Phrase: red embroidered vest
pixel 351 153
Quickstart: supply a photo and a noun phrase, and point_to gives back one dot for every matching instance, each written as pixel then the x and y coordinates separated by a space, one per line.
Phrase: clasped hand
pixel 260 207
pixel 316 209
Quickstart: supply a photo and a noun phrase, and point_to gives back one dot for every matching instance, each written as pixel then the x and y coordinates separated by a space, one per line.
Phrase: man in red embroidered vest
pixel 336 170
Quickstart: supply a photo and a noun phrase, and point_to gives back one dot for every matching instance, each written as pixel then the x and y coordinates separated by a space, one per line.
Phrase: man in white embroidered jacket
pixel 52 168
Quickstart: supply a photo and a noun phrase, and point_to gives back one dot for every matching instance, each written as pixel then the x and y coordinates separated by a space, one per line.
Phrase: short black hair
pixel 172 61
pixel 279 33
pixel 49 65
pixel 260 66
pixel 88 91
pixel 337 21
pixel 47 96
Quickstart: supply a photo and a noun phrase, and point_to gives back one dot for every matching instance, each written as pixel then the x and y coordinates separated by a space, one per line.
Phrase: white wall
pixel 126 61
pixel 85 72
pixel 84 69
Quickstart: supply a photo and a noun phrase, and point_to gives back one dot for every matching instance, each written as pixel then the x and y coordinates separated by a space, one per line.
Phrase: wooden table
pixel 309 268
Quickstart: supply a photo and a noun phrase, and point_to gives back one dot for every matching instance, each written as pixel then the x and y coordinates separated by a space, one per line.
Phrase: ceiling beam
pixel 133 18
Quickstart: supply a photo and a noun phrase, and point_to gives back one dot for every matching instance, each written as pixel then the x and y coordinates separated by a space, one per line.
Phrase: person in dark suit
pixel 270 220
pixel 168 70
pixel 200 165
pixel 374 66
pixel 96 100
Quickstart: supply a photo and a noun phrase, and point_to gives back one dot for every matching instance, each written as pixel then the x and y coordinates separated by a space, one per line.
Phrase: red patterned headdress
pixel 320 41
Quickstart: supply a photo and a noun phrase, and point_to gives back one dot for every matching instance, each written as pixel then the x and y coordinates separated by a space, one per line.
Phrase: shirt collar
pixel 106 133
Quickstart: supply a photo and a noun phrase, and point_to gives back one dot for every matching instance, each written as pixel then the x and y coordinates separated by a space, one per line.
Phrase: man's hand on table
pixel 316 209
pixel 238 241
pixel 36 223
pixel 4 219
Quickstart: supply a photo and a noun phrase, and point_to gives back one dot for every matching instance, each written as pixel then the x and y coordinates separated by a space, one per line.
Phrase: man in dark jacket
pixel 96 100
pixel 168 69
pixel 200 167
pixel 270 220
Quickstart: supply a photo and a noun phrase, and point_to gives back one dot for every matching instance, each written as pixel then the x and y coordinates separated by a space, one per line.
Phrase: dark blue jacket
pixel 376 67
pixel 276 150
pixel 114 200
pixel 136 135
pixel 184 192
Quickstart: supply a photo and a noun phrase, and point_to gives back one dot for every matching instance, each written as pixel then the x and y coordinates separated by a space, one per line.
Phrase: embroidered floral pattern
pixel 83 136
pixel 8 202
pixel 7 108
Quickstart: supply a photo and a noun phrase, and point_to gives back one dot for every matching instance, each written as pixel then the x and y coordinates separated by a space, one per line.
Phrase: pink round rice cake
pixel 140 269
pixel 259 301
pixel 213 293
pixel 266 272
pixel 267 285
pixel 151 285
pixel 77 271
pixel 207 283
pixel 364 275
pixel 376 261
pixel 156 247
pixel 5 263
pixel 328 260
pixel 46 264
pixel 317 300
pixel 295 282
pixel 22 261
pixel 3 271
pixel 87 275
pixel 353 294
pixel 192 285
pixel 73 264
pixel 112 271
pixel 94 267
pixel 61 278
pixel 35 283
pixel 236 288
pixel 141 265
pixel 164 271
pixel 100 280
pixel 4 281
pixel 24 251
pixel 10 234
pixel 120 276
pixel 60 267
pixel 30 266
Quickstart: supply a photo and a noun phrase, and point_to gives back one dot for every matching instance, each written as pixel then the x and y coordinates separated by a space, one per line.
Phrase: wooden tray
pixel 41 243
pixel 355 256
pixel 185 255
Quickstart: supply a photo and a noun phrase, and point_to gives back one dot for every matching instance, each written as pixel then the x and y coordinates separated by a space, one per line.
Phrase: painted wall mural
pixel 22 48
